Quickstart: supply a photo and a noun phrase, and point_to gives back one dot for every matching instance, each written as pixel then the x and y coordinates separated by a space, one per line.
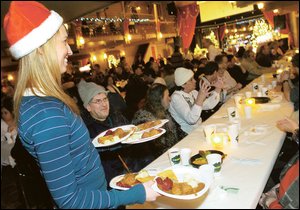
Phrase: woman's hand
pixel 151 195
pixel 203 93
pixel 287 125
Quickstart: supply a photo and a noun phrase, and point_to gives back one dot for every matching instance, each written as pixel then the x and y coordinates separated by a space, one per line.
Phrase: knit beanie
pixel 28 25
pixel 182 75
pixel 87 91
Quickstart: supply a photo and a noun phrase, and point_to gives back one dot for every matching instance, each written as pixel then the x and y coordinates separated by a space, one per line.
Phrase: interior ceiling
pixel 69 10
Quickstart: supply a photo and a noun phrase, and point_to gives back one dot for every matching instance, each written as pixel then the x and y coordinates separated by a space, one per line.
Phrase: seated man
pixel 187 103
pixel 98 118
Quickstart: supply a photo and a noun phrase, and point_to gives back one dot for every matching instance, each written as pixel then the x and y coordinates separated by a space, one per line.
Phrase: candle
pixel 217 140
pixel 250 101
pixel 279 71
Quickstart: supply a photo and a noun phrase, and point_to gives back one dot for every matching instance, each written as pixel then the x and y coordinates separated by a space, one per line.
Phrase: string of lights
pixel 113 20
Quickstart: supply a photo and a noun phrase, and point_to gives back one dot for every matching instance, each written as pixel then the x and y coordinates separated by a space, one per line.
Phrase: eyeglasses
pixel 99 101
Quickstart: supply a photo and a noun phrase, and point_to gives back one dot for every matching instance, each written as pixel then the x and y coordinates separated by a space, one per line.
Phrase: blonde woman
pixel 49 123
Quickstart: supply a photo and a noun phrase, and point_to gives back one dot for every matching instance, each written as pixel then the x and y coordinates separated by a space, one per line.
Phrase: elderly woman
pixel 187 103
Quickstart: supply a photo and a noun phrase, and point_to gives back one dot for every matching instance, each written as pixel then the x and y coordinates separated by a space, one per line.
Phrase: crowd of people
pixel 60 111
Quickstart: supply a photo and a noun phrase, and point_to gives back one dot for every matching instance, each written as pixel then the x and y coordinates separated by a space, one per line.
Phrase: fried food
pixel 167 182
pixel 128 180
pixel 105 139
pixel 111 136
pixel 150 133
pixel 147 125
pixel 200 161
pixel 178 188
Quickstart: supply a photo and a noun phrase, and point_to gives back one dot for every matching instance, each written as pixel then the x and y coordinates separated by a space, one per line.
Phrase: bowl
pixel 261 100
pixel 193 158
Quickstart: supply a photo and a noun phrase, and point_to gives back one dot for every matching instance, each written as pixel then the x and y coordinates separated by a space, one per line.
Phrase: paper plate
pixel 137 140
pixel 164 121
pixel 130 128
pixel 180 172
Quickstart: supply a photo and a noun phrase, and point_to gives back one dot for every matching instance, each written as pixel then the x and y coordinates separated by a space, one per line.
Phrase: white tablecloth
pixel 250 176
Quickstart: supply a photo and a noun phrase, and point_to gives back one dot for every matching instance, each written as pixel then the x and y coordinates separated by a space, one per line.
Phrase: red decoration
pixel 186 23
pixel 269 16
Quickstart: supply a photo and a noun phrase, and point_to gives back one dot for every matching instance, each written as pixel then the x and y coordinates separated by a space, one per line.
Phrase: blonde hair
pixel 39 70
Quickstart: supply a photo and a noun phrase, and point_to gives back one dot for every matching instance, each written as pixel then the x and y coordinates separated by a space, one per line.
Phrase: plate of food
pixel 113 136
pixel 126 181
pixel 181 182
pixel 150 125
pixel 149 135
pixel 200 158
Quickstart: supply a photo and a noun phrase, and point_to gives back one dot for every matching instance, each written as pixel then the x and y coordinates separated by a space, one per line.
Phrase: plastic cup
pixel 207 170
pixel 232 113
pixel 248 94
pixel 254 87
pixel 264 92
pixel 274 83
pixel 260 87
pixel 215 160
pixel 248 112
pixel 208 130
pixel 237 100
pixel 233 133
pixel 185 154
pixel 174 156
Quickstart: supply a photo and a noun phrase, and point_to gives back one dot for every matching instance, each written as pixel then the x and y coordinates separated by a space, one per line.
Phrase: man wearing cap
pixel 98 118
pixel 187 103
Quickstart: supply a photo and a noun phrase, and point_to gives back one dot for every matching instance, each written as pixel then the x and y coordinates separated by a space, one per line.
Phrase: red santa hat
pixel 28 25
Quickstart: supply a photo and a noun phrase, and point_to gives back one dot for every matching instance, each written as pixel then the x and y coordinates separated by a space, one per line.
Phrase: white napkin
pixel 219 116
pixel 255 142
pixel 246 161
pixel 268 107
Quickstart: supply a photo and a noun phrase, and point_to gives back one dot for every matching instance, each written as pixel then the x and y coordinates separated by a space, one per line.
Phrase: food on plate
pixel 132 179
pixel 200 161
pixel 167 173
pixel 167 182
pixel 147 125
pixel 150 133
pixel 143 176
pixel 111 136
pixel 200 158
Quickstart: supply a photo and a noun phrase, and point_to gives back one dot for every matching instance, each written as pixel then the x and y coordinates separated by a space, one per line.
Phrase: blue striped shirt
pixel 70 164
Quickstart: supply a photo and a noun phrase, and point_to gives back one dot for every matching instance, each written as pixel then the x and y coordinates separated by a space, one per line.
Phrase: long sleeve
pixel 69 162
pixel 254 68
pixel 187 114
pixel 211 101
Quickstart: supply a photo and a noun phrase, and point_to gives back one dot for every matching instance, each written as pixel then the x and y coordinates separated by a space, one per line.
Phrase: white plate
pixel 113 182
pixel 180 172
pixel 139 140
pixel 164 121
pixel 124 127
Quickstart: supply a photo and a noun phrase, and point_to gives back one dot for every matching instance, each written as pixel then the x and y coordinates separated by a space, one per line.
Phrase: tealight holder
pixel 217 140
pixel 250 101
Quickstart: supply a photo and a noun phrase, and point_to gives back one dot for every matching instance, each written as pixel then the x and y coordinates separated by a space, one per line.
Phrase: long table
pixel 246 167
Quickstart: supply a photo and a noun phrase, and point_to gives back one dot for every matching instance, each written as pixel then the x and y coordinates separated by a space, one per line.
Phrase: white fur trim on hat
pixel 182 75
pixel 37 37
